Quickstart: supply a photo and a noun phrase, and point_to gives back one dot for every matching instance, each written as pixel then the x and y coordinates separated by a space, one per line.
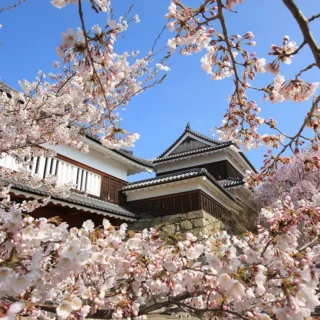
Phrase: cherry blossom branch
pixel 304 27
pixel 298 134
pixel 309 244
pixel 226 39
pixel 89 53
pixel 267 245
pixel 107 313
pixel 215 311
pixel 295 51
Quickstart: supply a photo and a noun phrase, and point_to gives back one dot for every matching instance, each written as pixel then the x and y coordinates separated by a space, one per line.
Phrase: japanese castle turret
pixel 198 187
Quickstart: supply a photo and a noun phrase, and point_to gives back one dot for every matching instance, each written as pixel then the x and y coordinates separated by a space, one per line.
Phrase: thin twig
pixel 314 17
pixel 298 134
pixel 158 37
pixel 306 69
pixel 296 51
pixel 89 53
pixel 13 6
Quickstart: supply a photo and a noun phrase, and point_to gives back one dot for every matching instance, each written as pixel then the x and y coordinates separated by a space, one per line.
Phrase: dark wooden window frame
pixel 219 170
pixel 117 182
pixel 202 201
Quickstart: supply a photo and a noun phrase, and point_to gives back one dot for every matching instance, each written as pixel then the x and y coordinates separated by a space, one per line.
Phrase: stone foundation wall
pixel 195 222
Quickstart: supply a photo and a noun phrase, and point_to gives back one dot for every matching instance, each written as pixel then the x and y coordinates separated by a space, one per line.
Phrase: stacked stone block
pixel 195 222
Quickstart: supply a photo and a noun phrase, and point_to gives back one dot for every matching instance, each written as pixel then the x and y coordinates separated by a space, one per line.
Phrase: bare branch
pixel 314 17
pixel 13 6
pixel 158 37
pixel 306 69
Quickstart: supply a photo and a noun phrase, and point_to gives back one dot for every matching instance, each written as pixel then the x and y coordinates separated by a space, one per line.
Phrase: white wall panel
pixel 94 159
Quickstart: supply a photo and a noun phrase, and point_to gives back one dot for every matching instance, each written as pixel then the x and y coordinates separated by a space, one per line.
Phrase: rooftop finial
pixel 188 125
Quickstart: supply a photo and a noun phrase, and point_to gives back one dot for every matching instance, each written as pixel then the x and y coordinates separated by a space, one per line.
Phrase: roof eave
pixel 119 156
pixel 248 161
pixel 200 174
pixel 65 203
pixel 191 154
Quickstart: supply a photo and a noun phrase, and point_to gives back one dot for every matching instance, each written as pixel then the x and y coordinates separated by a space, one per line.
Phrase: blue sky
pixel 31 33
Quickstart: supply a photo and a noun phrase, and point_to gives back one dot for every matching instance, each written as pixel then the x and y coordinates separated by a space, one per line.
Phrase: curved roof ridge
pixel 176 176
pixel 187 153
pixel 195 133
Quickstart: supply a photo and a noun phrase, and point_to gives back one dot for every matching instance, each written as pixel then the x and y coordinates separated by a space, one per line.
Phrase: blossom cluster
pixel 91 86
pixel 103 5
pixel 90 271
pixel 300 178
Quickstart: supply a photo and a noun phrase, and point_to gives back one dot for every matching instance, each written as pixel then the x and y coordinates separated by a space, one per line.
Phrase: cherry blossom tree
pixel 106 272
pixel 230 55
pixel 295 179
pixel 48 270
pixel 92 85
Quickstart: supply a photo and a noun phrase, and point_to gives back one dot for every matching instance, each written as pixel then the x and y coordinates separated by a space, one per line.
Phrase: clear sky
pixel 31 33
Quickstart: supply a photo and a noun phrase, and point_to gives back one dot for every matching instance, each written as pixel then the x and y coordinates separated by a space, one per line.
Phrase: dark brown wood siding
pixel 219 170
pixel 110 188
pixel 166 205
pixel 179 203
pixel 213 207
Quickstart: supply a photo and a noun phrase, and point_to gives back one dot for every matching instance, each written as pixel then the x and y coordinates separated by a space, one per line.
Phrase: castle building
pixel 198 186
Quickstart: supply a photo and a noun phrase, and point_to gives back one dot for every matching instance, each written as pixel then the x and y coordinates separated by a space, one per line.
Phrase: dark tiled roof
pixel 231 182
pixel 185 154
pixel 197 134
pixel 125 153
pixel 177 176
pixel 75 198
pixel 219 145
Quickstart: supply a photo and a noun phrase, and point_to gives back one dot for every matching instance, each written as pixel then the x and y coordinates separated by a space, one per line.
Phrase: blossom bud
pixel 249 35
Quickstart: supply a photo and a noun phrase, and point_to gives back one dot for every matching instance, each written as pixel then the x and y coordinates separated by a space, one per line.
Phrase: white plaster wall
pixel 234 158
pixel 93 159
pixel 241 169
pixel 185 163
pixel 220 197
pixel 162 190
pixel 241 194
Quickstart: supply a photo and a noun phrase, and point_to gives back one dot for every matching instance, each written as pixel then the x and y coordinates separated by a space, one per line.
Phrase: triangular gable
pixel 189 141
pixel 189 144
